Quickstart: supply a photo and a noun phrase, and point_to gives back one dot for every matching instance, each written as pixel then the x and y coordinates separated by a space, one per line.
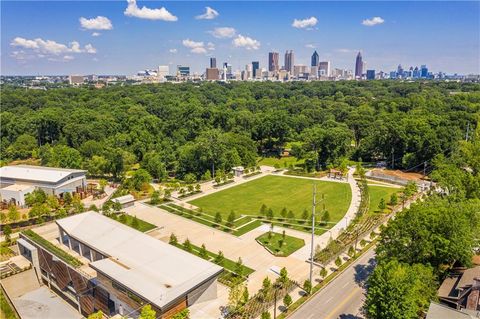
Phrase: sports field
pixel 277 192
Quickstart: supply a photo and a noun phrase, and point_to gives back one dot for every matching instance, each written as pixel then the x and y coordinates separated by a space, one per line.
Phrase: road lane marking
pixel 347 299
pixel 346 284
pixel 328 299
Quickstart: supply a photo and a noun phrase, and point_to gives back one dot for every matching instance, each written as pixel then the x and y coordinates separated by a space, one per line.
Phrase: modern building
pixel 98 263
pixel 324 68
pixel 315 59
pixel 273 65
pixel 424 71
pixel 212 74
pixel 183 71
pixel 213 63
pixel 18 180
pixel 438 311
pixel 370 74
pixel 163 71
pixel 76 79
pixel 289 61
pixel 359 66
pixel 255 69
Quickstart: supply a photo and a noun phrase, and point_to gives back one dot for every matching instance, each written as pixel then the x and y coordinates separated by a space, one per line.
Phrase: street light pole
pixel 313 230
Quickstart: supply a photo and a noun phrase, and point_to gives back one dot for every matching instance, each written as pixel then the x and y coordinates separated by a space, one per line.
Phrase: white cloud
pixel 223 32
pixel 197 47
pixel 310 46
pixel 133 10
pixel 98 23
pixel 208 15
pixel 246 42
pixel 96 34
pixel 172 50
pixel 199 50
pixel 305 23
pixel 373 21
pixel 39 48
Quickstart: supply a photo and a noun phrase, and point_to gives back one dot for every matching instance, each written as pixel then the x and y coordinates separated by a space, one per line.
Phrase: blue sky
pixel 46 37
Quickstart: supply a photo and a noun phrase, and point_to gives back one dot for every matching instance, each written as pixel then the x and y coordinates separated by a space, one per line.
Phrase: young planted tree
pixel 307 286
pixel 198 188
pixel 13 213
pixel 203 252
pixel 263 210
pixel 290 215
pixel 325 217
pixel 338 261
pixel 283 213
pixel 351 251
pixel 323 273
pixel 305 215
pixel 173 239
pixel 218 218
pixel 7 231
pixel 187 245
pixel 219 259
pixel 265 315
pixel 393 199
pixel 270 214
pixel 231 218
pixel 155 198
pixel 287 301
pixel 239 269
pixel 382 205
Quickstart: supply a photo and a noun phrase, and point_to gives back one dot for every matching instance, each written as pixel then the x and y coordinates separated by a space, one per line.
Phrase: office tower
pixel 213 63
pixel 255 69
pixel 416 73
pixel 289 61
pixel 212 74
pixel 162 71
pixel 359 66
pixel 183 70
pixel 424 71
pixel 273 61
pixel 370 74
pixel 400 71
pixel 248 70
pixel 315 59
pixel 324 68
pixel 314 71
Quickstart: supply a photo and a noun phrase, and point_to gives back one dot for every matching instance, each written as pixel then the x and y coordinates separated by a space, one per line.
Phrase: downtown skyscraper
pixel 273 58
pixel 289 61
pixel 359 66
pixel 315 59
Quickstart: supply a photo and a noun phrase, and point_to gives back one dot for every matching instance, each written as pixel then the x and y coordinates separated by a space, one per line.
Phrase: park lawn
pixel 289 244
pixel 283 162
pixel 277 192
pixel 379 192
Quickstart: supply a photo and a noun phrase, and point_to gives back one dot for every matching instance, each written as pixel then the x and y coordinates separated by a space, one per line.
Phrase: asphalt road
pixel 343 298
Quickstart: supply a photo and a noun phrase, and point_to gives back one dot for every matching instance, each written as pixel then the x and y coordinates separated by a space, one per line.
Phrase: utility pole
pixel 313 229
pixel 393 159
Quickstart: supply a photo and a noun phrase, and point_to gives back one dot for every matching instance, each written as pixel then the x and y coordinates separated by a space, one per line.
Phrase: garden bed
pixel 280 245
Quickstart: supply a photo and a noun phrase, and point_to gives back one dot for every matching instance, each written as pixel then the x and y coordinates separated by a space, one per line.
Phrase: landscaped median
pixel 280 245
pixel 234 272
pixel 132 221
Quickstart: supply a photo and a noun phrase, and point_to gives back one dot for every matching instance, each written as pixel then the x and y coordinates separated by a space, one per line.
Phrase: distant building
pixel 18 180
pixel 416 73
pixel 359 66
pixel 289 61
pixel 370 74
pixel 400 71
pixel 273 62
pixel 76 79
pixel 213 63
pixel 255 69
pixel 300 70
pixel 315 59
pixel 183 71
pixel 212 74
pixel 324 68
pixel 424 71
pixel 163 71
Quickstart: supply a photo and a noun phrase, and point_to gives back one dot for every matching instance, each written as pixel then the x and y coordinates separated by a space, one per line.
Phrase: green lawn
pixel 281 161
pixel 379 192
pixel 278 246
pixel 277 192
pixel 128 220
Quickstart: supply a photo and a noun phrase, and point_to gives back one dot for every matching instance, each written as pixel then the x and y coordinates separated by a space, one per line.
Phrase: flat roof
pixel 438 311
pixel 124 199
pixel 156 271
pixel 36 173
pixel 17 187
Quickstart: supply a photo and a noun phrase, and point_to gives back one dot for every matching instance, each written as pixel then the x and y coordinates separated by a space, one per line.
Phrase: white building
pixel 19 180
pixel 324 68
pixel 163 71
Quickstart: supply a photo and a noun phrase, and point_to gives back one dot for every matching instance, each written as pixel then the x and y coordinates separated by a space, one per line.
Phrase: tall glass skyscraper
pixel 359 66
pixel 213 63
pixel 255 68
pixel 315 59
pixel 289 61
pixel 273 61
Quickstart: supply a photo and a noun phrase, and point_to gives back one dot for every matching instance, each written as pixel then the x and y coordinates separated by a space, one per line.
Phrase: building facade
pixel 289 61
pixel 273 65
pixel 359 66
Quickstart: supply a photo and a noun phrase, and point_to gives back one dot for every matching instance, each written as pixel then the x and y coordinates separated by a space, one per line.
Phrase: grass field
pixel 277 192
pixel 281 161
pixel 379 192
pixel 278 246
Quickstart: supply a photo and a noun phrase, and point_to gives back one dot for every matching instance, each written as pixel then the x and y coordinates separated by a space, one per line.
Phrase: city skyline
pixel 122 38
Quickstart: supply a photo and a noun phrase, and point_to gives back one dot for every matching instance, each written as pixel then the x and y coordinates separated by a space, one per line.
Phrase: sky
pixel 124 37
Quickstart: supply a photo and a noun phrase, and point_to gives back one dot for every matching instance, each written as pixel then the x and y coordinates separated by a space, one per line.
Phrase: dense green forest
pixel 192 128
